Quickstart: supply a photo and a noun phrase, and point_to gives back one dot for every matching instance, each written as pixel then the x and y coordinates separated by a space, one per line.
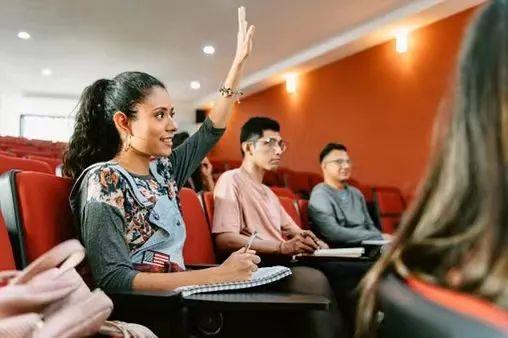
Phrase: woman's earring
pixel 127 143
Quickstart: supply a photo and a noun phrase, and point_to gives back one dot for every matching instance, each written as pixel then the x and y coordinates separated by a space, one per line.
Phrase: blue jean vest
pixel 164 215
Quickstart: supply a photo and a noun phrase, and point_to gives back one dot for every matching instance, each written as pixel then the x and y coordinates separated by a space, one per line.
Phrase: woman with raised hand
pixel 125 196
pixel 456 235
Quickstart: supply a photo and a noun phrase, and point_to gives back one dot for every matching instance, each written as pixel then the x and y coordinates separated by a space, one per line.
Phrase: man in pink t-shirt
pixel 244 204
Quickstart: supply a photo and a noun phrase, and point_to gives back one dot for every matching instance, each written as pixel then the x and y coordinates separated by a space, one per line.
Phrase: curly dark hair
pixel 95 138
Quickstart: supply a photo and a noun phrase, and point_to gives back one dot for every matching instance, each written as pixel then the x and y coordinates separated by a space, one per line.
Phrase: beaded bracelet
pixel 229 92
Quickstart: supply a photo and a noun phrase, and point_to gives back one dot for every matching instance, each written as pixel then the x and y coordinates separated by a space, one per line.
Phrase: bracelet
pixel 229 92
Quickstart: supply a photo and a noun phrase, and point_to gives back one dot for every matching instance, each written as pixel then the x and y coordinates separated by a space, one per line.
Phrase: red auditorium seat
pixel 303 209
pixel 6 257
pixel 208 203
pixel 198 248
pixel 271 179
pixel 284 192
pixel 53 162
pixel 315 179
pixel 289 205
pixel 420 310
pixel 276 178
pixel 299 182
pixel 219 166
pixel 6 153
pixel 467 305
pixel 43 217
pixel 7 163
pixel 390 206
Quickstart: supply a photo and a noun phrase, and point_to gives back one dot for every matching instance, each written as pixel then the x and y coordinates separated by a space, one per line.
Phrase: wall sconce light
pixel 401 41
pixel 291 82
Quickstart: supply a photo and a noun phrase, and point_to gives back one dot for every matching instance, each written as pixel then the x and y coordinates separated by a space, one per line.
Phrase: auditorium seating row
pixel 36 217
pixel 22 147
pixel 385 204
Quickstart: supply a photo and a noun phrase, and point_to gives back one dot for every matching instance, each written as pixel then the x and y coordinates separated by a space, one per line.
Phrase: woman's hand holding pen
pixel 239 266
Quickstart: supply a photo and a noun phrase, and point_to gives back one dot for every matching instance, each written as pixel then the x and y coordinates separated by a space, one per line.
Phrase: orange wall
pixel 379 103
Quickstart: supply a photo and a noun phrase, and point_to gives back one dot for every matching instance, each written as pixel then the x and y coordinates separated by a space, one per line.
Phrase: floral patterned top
pixel 107 185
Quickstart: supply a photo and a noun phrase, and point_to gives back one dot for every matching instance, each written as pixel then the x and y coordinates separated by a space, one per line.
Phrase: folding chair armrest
pixel 162 312
pixel 144 299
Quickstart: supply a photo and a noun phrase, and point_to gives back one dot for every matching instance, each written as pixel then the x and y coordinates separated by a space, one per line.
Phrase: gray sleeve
pixel 187 157
pixel 102 228
pixel 329 226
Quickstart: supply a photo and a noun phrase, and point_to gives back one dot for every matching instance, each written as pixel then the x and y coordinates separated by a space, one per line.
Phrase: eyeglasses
pixel 341 162
pixel 272 142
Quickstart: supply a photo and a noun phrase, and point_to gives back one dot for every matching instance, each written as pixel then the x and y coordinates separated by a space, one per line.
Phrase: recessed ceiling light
pixel 208 50
pixel 23 35
pixel 195 85
pixel 46 72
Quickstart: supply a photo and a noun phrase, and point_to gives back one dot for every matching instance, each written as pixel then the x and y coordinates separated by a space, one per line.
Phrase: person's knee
pixel 311 281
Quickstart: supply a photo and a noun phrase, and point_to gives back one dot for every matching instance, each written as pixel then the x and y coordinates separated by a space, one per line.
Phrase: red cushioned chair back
pixel 6 257
pixel 271 178
pixel 303 208
pixel 218 166
pixel 298 182
pixel 46 217
pixel 52 162
pixel 364 189
pixel 423 311
pixel 6 153
pixel 314 179
pixel 390 205
pixel 289 205
pixel 8 163
pixel 284 192
pixel 208 203
pixel 464 304
pixel 198 248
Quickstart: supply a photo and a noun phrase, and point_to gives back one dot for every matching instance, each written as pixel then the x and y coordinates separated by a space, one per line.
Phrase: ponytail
pixel 95 138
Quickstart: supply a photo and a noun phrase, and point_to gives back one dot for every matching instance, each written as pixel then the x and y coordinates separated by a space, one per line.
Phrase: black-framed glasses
pixel 341 162
pixel 272 142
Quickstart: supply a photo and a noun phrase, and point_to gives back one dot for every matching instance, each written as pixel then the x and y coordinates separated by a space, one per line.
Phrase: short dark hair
pixel 329 148
pixel 255 127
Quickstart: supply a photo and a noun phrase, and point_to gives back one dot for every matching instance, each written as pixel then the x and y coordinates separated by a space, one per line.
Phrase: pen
pixel 251 239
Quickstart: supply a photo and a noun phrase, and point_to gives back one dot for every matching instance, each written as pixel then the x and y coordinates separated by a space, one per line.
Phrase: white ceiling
pixel 83 40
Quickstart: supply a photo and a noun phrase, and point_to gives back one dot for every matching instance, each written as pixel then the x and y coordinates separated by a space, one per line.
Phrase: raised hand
pixel 244 38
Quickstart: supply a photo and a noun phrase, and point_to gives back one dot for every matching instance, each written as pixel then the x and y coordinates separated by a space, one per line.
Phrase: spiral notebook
pixel 260 277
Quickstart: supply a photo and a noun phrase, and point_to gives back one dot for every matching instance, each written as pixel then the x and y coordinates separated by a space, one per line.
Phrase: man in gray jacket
pixel 337 210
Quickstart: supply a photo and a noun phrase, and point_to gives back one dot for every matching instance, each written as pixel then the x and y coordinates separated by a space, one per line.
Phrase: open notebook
pixel 260 277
